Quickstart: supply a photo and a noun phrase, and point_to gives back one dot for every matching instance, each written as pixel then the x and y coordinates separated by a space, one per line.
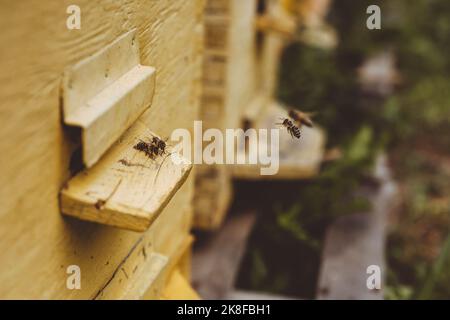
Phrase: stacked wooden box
pixel 243 44
pixel 40 156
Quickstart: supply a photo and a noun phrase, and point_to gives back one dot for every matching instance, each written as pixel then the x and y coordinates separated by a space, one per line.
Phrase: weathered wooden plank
pixel 105 93
pixel 357 241
pixel 144 273
pixel 140 276
pixel 127 188
pixel 221 254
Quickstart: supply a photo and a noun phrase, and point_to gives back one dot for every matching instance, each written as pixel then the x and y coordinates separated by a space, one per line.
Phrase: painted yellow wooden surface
pixel 178 288
pixel 136 280
pixel 105 93
pixel 38 243
pixel 240 79
pixel 229 84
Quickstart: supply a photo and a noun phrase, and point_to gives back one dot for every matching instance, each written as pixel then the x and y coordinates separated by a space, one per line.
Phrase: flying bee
pixel 293 130
pixel 301 118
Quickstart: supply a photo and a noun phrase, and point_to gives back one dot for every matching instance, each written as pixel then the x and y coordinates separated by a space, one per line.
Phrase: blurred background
pixel 382 96
pixel 363 195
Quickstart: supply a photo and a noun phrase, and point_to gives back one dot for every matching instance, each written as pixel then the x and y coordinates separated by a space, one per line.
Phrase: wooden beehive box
pixel 40 143
pixel 243 44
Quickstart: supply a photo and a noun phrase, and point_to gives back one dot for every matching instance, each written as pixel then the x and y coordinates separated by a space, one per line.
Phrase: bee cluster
pixel 152 149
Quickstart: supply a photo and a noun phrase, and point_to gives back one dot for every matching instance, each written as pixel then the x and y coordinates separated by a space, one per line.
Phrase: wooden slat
pixel 176 259
pixel 217 7
pixel 299 158
pixel 105 93
pixel 140 276
pixel 144 273
pixel 216 33
pixel 126 189
pixel 213 192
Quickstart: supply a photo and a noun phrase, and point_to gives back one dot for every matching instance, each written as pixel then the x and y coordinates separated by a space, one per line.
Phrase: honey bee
pixel 152 149
pixel 301 118
pixel 149 149
pixel 141 146
pixel 293 130
pixel 160 144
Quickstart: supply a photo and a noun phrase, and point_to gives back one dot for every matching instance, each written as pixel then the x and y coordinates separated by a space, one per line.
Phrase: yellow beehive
pixel 39 148
pixel 243 44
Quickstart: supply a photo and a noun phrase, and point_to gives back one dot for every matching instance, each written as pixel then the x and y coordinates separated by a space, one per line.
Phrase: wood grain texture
pixel 126 189
pixel 137 281
pixel 105 93
pixel 144 273
pixel 38 243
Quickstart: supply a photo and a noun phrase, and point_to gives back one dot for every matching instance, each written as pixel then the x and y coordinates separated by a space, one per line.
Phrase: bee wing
pixel 307 122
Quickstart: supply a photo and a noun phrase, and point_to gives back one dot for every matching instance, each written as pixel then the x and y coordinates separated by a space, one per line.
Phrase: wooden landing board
pixel 299 158
pixel 105 93
pixel 355 242
pixel 126 189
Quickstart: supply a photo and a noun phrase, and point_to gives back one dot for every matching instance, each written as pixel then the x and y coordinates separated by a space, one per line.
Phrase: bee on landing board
pixel 152 149
pixel 301 118
pixel 293 130
pixel 160 144
pixel 149 149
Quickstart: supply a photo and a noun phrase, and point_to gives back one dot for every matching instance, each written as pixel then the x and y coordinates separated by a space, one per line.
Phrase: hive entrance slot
pixel 105 93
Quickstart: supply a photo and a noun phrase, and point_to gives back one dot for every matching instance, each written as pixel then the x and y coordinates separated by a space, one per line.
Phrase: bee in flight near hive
pixel 291 128
pixel 301 118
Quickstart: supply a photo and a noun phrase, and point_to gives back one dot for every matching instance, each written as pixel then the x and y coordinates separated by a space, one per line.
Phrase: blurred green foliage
pixel 284 252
